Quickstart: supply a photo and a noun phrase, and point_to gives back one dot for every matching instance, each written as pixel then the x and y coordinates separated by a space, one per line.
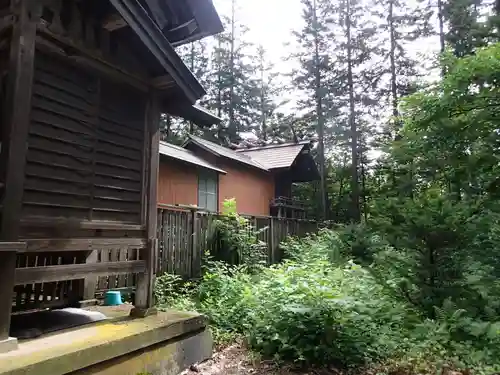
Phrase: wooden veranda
pixel 83 84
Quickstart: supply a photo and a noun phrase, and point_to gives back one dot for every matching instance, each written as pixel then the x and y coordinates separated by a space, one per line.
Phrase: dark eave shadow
pixel 156 42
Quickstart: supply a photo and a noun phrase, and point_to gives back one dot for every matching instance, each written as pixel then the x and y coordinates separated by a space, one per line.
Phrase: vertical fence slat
pixel 183 236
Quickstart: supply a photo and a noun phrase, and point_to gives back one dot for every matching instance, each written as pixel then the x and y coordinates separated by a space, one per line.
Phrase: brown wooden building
pixel 83 83
pixel 204 174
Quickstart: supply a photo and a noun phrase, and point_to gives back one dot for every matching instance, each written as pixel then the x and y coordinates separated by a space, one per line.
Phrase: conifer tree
pixel 313 79
pixel 267 97
pixel 401 25
pixel 230 81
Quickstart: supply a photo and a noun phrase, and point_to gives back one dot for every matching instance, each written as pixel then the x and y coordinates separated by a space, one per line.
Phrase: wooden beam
pixel 82 244
pixel 152 37
pixel 182 33
pixel 6 23
pixel 163 83
pixel 144 294
pixel 18 109
pixel 90 282
pixel 114 22
pixel 43 221
pixel 16 247
pixel 13 154
pixel 88 58
pixel 32 275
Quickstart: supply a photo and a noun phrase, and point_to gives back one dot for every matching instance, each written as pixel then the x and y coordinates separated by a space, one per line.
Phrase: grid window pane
pixel 211 202
pixel 207 190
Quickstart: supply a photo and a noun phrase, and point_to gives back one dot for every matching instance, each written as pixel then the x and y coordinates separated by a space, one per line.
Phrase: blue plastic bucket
pixel 113 298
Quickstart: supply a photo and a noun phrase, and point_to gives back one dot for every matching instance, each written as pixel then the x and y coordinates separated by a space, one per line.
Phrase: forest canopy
pixel 387 121
pixel 407 281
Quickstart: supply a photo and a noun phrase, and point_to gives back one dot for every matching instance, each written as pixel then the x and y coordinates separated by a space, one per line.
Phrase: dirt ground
pixel 235 360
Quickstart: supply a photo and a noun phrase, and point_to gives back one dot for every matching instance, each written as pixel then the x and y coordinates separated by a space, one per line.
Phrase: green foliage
pixel 320 307
pixel 237 240
pixel 172 292
pixel 437 222
pixel 316 313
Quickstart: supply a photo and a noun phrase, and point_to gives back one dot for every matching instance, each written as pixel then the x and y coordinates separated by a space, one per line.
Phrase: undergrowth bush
pixel 320 307
pixel 237 240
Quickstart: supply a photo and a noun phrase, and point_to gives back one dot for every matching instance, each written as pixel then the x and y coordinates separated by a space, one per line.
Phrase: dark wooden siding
pixel 85 144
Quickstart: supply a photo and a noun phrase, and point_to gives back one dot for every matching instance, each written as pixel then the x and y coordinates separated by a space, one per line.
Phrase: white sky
pixel 269 21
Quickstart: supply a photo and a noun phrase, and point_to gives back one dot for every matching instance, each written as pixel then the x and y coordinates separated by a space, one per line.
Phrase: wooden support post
pixel 7 274
pixel 90 282
pixel 144 304
pixel 195 256
pixel 16 124
pixel 271 240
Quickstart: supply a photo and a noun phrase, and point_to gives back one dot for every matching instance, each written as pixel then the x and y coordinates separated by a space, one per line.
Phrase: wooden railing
pixel 184 235
pixel 288 207
pixel 50 273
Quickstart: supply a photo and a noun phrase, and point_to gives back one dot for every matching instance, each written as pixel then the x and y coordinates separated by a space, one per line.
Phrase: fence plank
pixel 113 254
pixel 122 257
pixel 184 235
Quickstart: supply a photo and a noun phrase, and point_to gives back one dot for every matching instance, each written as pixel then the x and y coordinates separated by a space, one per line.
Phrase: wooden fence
pixel 184 235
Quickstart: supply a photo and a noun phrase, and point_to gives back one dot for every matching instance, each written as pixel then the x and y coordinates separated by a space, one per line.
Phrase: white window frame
pixel 205 176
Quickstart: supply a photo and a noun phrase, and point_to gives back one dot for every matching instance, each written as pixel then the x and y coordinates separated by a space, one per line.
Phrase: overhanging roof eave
pixel 194 113
pixel 156 42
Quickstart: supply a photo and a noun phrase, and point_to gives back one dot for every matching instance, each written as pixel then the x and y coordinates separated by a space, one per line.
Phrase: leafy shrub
pixel 430 250
pixel 237 240
pixel 325 245
pixel 319 314
pixel 307 310
pixel 171 291
pixel 319 307
pixel 226 296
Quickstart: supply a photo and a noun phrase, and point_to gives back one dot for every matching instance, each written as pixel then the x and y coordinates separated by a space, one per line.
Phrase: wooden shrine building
pixel 83 84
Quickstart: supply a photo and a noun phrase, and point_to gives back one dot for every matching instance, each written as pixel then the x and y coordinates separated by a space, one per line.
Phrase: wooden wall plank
pixel 76 271
pixel 90 283
pixel 16 124
pixel 81 244
pixel 144 293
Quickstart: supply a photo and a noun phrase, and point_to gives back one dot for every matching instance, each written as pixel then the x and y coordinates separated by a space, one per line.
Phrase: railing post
pixel 195 264
pixel 144 303
pixel 16 121
pixel 90 283
pixel 7 275
pixel 271 240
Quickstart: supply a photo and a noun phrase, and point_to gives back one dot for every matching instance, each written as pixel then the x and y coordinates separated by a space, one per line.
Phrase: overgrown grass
pixel 320 308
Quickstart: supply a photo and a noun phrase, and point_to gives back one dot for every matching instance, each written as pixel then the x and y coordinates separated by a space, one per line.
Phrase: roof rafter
pixel 156 42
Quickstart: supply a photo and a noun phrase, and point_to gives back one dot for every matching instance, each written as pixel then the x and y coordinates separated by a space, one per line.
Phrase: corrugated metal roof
pixel 179 153
pixel 225 152
pixel 275 156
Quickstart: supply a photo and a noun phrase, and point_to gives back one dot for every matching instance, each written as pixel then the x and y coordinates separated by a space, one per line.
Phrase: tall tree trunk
pixel 263 125
pixel 363 187
pixel 319 113
pixel 219 81
pixel 441 25
pixel 192 57
pixel 341 188
pixel 394 87
pixel 355 211
pixel 232 124
pixel 441 32
pixel 168 129
pixel 394 84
